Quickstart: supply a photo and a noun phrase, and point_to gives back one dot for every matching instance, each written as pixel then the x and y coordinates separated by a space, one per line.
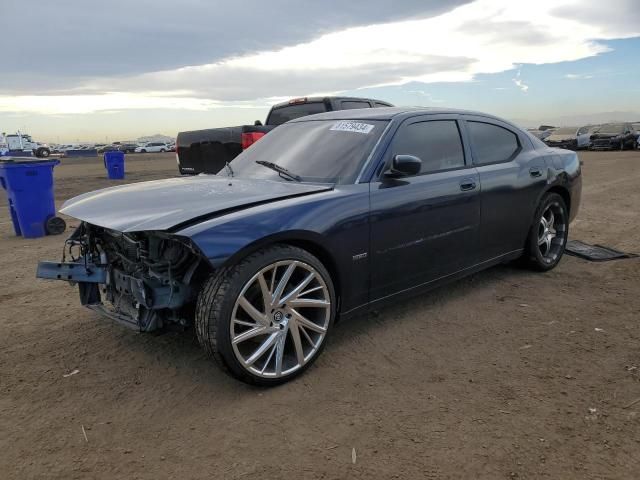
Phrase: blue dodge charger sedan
pixel 322 219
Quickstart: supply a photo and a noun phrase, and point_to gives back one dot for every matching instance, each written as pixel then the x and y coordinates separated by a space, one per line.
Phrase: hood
pixel 560 137
pixel 162 204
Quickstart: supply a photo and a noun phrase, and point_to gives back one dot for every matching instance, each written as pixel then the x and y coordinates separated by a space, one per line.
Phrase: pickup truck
pixel 208 151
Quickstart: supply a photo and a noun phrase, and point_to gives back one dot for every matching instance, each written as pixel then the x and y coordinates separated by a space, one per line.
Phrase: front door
pixel 424 227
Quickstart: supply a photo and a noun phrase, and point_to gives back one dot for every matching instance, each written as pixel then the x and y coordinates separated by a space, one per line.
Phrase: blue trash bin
pixel 114 163
pixel 29 186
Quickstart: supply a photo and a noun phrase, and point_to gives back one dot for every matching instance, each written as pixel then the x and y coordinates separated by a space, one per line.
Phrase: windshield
pixel 324 151
pixel 611 128
pixel 564 131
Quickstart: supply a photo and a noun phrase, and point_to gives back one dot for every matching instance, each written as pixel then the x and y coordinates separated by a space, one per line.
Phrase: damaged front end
pixel 144 280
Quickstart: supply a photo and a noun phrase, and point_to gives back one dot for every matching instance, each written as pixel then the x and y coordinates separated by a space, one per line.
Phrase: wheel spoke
pixel 542 239
pixel 547 242
pixel 297 343
pixel 309 302
pixel 306 323
pixel 311 290
pixel 543 222
pixel 254 332
pixel 253 312
pixel 275 299
pixel 282 338
pixel 263 348
pixel 306 335
pixel 242 322
pixel 264 367
pixel 266 293
pixel 551 220
pixel 295 293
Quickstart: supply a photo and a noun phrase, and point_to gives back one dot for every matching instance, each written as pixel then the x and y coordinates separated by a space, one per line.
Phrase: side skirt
pixel 430 285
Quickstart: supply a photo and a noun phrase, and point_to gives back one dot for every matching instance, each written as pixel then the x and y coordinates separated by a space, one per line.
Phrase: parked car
pixel 326 217
pixel 636 129
pixel 208 151
pixel 107 148
pixel 128 147
pixel 152 147
pixel 613 136
pixel 572 138
pixel 539 134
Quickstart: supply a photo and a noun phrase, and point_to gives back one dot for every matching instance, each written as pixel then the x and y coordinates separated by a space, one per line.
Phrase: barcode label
pixel 350 126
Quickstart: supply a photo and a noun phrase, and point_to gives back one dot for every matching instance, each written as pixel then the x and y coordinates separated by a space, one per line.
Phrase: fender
pixel 333 225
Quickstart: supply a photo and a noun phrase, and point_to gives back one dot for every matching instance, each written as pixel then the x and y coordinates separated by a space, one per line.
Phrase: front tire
pixel 265 319
pixel 43 153
pixel 548 234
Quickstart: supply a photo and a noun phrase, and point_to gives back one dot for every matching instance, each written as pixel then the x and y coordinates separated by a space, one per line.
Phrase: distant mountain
pixel 580 119
pixel 156 138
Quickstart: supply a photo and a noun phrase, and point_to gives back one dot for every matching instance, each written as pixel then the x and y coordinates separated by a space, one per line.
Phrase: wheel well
pixel 564 193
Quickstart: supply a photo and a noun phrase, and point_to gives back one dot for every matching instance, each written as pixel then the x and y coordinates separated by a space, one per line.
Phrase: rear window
pixel 281 115
pixel 492 143
pixel 352 105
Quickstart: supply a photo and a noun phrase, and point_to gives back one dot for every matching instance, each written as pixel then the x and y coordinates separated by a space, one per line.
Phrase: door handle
pixel 535 172
pixel 466 185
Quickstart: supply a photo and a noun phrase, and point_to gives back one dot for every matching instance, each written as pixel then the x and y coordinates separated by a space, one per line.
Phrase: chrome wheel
pixel 552 232
pixel 280 319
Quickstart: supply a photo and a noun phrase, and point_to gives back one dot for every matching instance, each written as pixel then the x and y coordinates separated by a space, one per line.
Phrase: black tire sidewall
pixel 535 258
pixel 237 277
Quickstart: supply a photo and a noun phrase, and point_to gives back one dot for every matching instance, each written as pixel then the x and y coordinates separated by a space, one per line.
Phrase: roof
pixel 389 113
pixel 322 99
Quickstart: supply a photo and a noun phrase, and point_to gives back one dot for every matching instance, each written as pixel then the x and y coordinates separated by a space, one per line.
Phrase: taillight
pixel 250 138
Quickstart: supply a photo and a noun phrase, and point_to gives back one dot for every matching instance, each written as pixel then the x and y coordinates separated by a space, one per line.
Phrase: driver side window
pixel 437 143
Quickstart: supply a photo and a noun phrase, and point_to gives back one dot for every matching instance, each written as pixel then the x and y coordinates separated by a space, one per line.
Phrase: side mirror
pixel 257 123
pixel 402 165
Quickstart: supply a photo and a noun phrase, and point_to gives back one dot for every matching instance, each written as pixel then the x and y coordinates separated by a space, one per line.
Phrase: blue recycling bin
pixel 114 163
pixel 29 186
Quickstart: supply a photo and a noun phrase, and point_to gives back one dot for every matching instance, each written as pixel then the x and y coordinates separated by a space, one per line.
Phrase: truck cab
pixel 18 143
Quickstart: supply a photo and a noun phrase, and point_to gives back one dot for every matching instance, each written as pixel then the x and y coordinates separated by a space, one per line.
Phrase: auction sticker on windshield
pixel 349 126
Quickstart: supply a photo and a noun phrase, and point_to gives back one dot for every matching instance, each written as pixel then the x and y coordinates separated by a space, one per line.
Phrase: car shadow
pixel 182 348
pixel 347 330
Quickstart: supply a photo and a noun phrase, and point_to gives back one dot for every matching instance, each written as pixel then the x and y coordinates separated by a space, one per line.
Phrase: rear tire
pixel 548 234
pixel 250 319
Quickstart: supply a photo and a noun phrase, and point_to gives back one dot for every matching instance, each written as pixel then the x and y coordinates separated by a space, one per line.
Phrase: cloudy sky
pixel 125 68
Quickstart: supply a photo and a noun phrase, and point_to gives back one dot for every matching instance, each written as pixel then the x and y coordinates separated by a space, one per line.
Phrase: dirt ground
pixel 507 374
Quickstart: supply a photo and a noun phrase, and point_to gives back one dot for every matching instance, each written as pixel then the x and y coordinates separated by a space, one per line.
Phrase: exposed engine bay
pixel 144 280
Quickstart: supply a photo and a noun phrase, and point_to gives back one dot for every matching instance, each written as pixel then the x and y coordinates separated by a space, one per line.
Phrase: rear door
pixel 424 227
pixel 512 175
